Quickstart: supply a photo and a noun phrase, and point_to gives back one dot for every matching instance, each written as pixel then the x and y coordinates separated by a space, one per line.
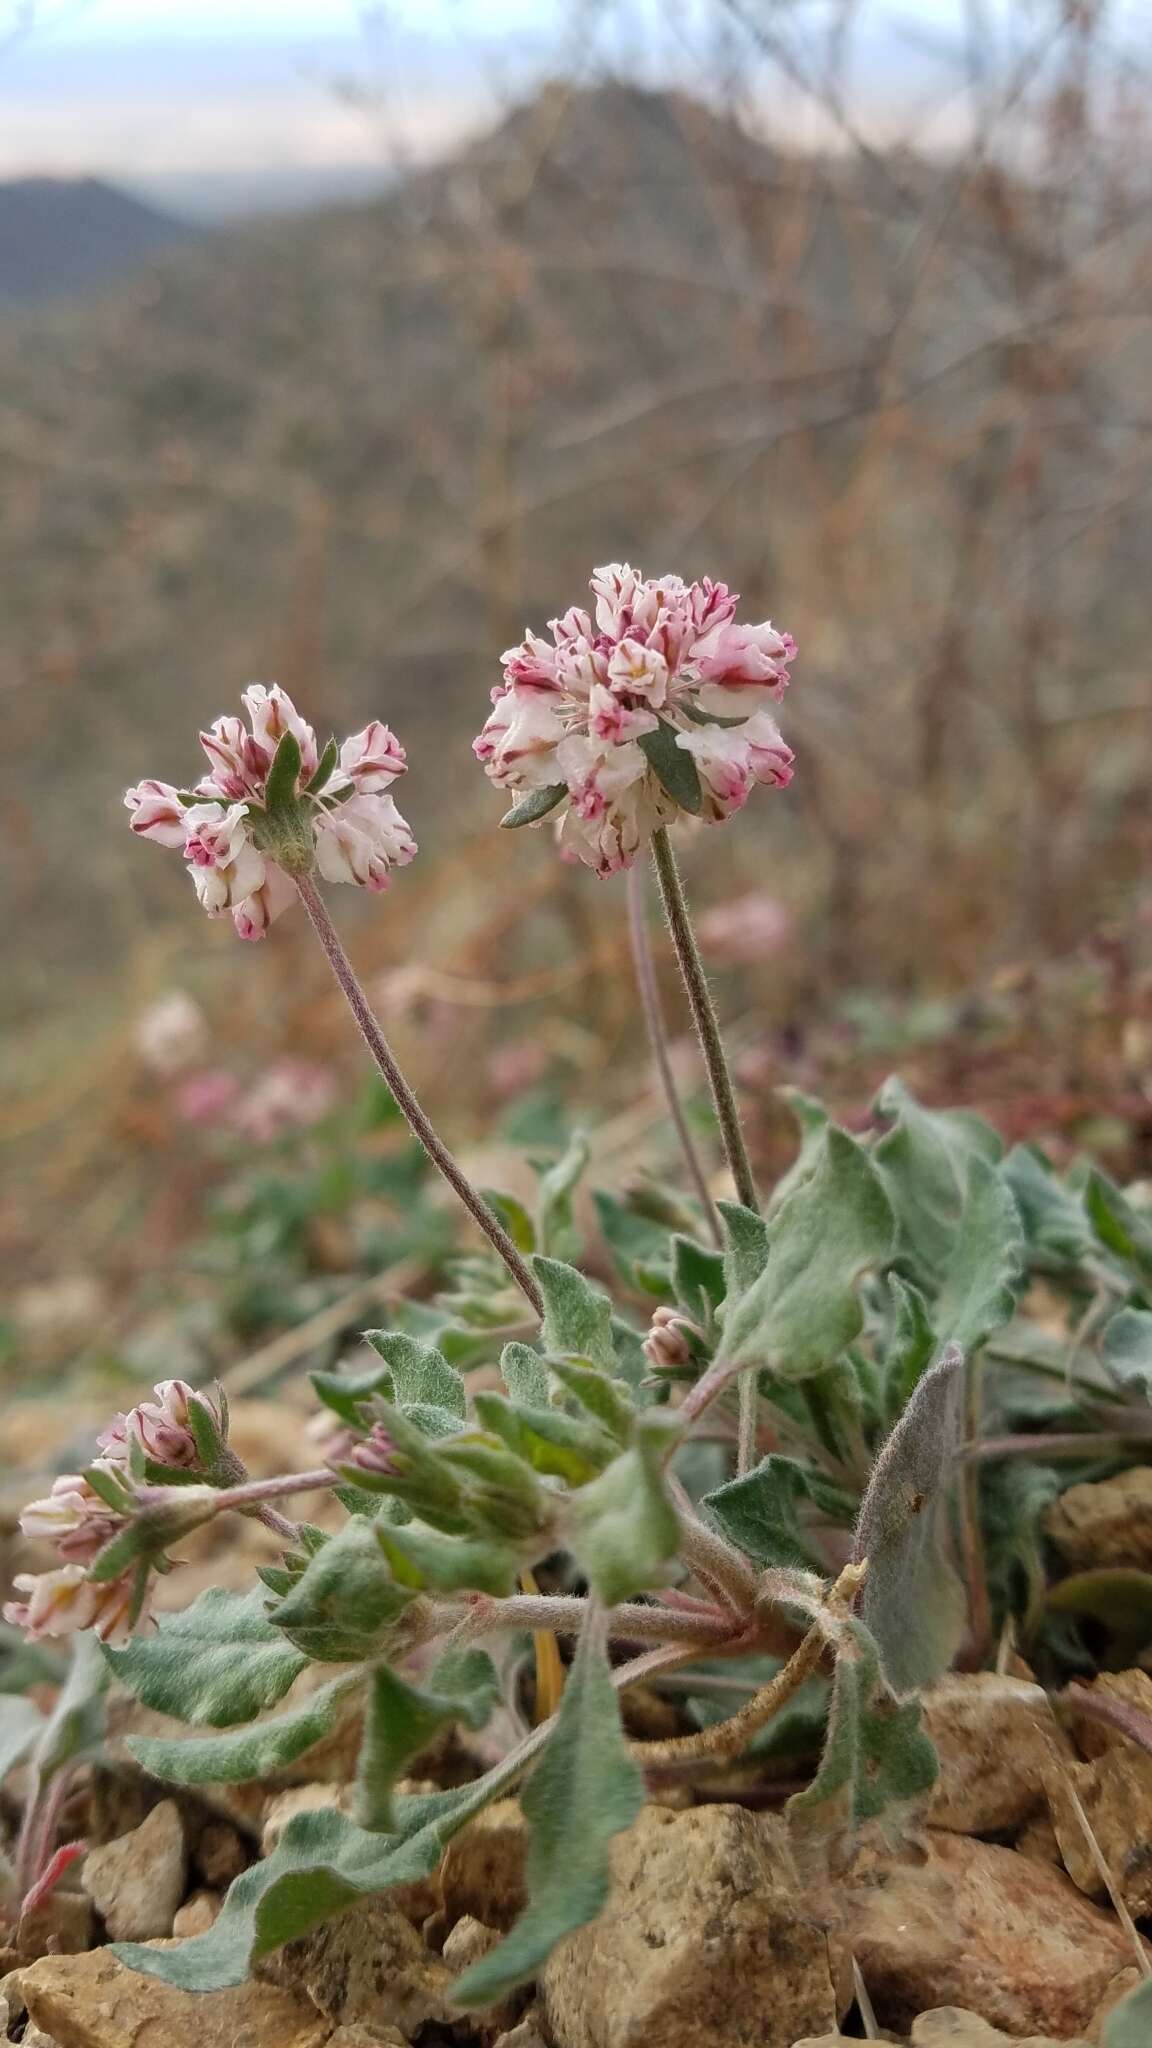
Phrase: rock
pixel 978 1926
pixel 221 1853
pixel 63 1926
pixel 1128 1688
pixel 482 1873
pixel 33 2038
pixel 361 2037
pixel 704 1943
pixel 92 2001
pixel 1115 1793
pixel 1105 1521
pixel 368 1967
pixel 137 1882
pixel 526 2035
pixel 1038 1841
pixel 995 1738
pixel 284 1806
pixel 1119 1988
pixel 950 2027
pixel 200 1913
pixel 467 1942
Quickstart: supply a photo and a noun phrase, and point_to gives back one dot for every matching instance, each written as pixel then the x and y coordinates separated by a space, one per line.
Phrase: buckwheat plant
pixel 730 1472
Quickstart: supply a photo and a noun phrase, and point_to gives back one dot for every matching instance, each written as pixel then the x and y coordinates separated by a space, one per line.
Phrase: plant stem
pixel 704 1017
pixel 719 1080
pixel 406 1101
pixel 654 1018
pixel 255 1491
pixel 715 1562
pixel 563 1615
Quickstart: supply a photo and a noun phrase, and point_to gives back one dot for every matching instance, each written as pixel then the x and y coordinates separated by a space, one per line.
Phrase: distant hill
pixel 359 450
pixel 62 237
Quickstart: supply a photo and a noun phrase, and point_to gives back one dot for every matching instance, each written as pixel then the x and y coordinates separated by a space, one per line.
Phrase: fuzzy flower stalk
pixel 272 813
pixel 655 703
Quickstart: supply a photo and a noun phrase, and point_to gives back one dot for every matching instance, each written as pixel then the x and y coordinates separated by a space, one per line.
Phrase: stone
pixel 1038 1841
pixel 92 2001
pixel 1127 1688
pixel 482 1873
pixel 137 1882
pixel 467 1942
pixel 526 2035
pixel 62 1926
pixel 363 2037
pixel 1121 1985
pixel 1105 1521
pixel 995 1738
pixel 950 2027
pixel 220 1854
pixel 971 1924
pixel 34 2038
pixel 1115 1793
pixel 368 1967
pixel 199 1914
pixel 705 1943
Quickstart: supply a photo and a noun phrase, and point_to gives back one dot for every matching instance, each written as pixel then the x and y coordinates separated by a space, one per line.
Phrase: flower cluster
pixel 80 1522
pixel 657 705
pixel 242 849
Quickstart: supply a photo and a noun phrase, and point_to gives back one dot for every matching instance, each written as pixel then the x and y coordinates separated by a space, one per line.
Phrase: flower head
pixel 246 831
pixel 63 1602
pixel 656 704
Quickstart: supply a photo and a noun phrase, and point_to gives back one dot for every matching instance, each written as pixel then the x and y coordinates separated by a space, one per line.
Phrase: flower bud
pixel 666 1347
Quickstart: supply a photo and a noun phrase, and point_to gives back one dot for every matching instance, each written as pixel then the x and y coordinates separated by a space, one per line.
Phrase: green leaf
pixel 877 1758
pixel 75 1726
pixel 913 1602
pixel 1014 1494
pixel 420 1374
pixel 624 1529
pixel 283 776
pixel 672 766
pixel 585 1790
pixel 608 1400
pixel 220 1661
pixel 910 1346
pixel 1119 1598
pixel 324 769
pixel 420 1557
pixel 813 1120
pixel 697 1281
pixel 925 1159
pixel 760 1514
pixel 1127 1349
pixel 20 1724
pixel 247 1753
pixel 796 1731
pixel 1129 2025
pixel 1118 1225
pixel 515 1218
pixel 346 1601
pixel 803 1310
pixel 323 1862
pixel 402 1720
pixel 985 1268
pixel 746 1248
pixel 537 805
pixel 525 1375
pixel 558 1184
pixel 569 1447
pixel 577 1317
pixel 639 1247
pixel 1053 1216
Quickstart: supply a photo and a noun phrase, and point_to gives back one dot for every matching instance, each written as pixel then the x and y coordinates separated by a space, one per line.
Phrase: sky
pixel 217 106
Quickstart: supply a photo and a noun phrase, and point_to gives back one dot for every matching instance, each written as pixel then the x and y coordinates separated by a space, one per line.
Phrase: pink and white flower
pixel 66 1601
pixel 592 712
pixel 242 855
pixel 162 1428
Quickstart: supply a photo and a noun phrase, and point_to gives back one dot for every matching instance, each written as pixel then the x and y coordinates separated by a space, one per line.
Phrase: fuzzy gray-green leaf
pixel 984 1270
pixel 244 1754
pixel 577 1317
pixel 624 1527
pixel 220 1661
pixel 402 1719
pixel 585 1790
pixel 877 1759
pixel 803 1310
pixel 1127 1349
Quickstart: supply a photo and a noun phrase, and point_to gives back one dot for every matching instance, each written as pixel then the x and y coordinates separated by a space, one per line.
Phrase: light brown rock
pixel 978 1926
pixel 34 2038
pixel 1105 1521
pixel 526 2035
pixel 63 1926
pixel 92 2001
pixel 1127 1688
pixel 995 1738
pixel 197 1916
pixel 221 1853
pixel 704 1943
pixel 483 1869
pixel 365 2037
pixel 368 1967
pixel 1038 1841
pixel 1115 1791
pixel 949 2027
pixel 1121 1985
pixel 137 1882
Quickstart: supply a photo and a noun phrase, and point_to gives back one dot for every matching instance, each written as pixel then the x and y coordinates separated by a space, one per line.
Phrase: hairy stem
pixel 563 1615
pixel 713 1560
pixel 255 1492
pixel 653 1009
pixel 719 1080
pixel 406 1101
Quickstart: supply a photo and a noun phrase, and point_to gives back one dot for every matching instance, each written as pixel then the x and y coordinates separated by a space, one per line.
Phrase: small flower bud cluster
pixel 661 658
pixel 667 1347
pixel 227 834
pixel 80 1522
